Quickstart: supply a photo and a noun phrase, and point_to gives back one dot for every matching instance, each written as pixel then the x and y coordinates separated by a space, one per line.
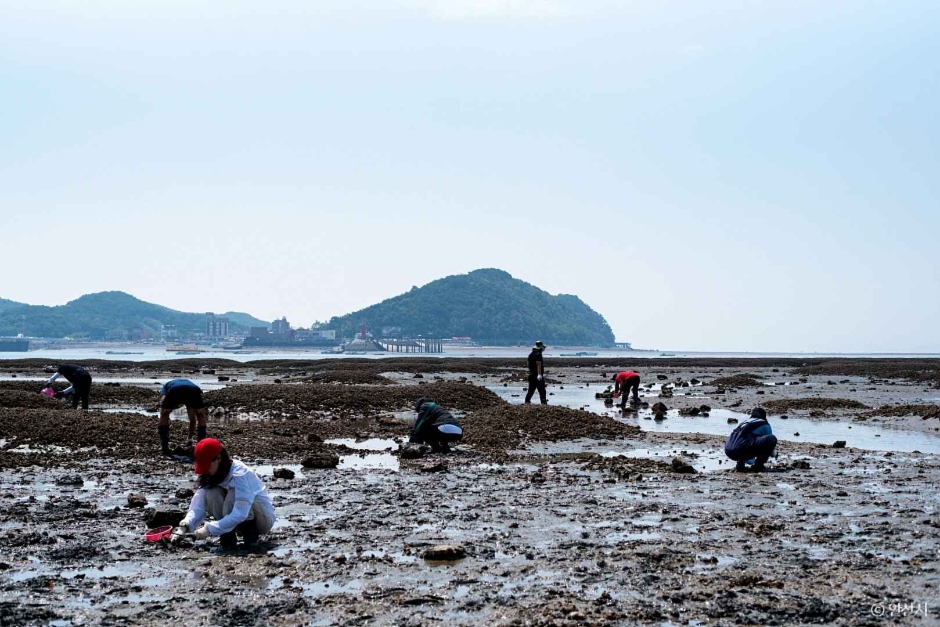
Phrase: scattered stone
pixel 689 411
pixel 838 444
pixel 136 500
pixel 313 437
pixel 70 480
pixel 439 466
pixel 321 460
pixel 682 466
pixel 283 473
pixel 445 552
pixel 162 517
pixel 662 377
pixel 732 421
pixel 339 558
pixel 222 378
pixel 410 451
pixel 184 493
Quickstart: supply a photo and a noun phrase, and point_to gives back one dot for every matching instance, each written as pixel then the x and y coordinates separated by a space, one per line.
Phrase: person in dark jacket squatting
pixel 80 380
pixel 435 426
pixel 536 374
pixel 752 439
pixel 173 394
pixel 231 495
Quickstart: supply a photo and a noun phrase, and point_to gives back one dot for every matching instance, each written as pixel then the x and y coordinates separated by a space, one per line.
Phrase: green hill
pixel 488 305
pixel 106 315
pixel 8 304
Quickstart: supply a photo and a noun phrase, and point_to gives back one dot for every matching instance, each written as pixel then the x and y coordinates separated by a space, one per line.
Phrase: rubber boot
pixel 740 467
pixel 249 531
pixel 228 540
pixel 200 433
pixel 164 431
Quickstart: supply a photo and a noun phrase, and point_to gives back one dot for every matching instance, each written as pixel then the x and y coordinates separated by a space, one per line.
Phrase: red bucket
pixel 160 533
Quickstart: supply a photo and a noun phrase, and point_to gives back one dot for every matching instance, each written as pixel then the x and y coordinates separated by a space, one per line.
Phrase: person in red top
pixel 626 382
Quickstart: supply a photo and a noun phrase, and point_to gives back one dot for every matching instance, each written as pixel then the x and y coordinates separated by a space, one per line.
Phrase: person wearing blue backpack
pixel 752 439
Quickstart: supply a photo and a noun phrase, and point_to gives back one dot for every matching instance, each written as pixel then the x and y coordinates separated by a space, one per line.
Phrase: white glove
pixel 540 377
pixel 202 533
pixel 178 534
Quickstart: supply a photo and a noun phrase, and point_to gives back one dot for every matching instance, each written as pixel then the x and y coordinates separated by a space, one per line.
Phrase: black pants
pixel 630 386
pixel 760 447
pixel 535 384
pixel 82 385
pixel 435 437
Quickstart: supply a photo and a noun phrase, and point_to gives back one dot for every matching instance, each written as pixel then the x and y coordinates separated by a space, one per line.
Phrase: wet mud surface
pixel 556 522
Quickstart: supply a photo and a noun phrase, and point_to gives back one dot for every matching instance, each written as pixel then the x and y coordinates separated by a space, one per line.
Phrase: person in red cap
pixel 626 382
pixel 231 495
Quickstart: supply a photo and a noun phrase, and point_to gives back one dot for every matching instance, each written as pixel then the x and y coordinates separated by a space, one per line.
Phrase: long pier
pixel 412 345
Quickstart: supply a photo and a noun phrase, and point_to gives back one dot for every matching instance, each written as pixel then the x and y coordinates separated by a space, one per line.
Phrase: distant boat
pixel 123 353
pixel 188 349
pixel 245 352
pixel 667 354
pixel 579 354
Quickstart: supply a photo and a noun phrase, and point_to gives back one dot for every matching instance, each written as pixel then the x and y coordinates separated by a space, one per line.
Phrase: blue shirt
pixel 175 384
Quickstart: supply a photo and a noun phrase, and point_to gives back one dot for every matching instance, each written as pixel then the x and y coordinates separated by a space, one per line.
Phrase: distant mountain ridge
pixel 488 305
pixel 106 315
pixel 9 304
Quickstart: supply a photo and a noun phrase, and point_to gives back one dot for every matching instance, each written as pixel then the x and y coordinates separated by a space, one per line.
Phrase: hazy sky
pixel 722 175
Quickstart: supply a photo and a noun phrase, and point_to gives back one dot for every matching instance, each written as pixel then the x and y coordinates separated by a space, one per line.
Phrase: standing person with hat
pixel 752 439
pixel 173 394
pixel 231 495
pixel 80 384
pixel 536 374
pixel 626 382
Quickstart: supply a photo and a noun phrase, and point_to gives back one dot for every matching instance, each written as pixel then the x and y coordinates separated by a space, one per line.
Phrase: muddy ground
pixel 554 532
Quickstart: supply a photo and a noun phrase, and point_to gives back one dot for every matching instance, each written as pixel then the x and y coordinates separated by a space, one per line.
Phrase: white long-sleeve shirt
pixel 249 492
pixel 67 390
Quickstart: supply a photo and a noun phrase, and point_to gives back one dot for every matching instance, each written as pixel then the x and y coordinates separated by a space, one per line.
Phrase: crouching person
pixel 231 495
pixel 435 426
pixel 752 439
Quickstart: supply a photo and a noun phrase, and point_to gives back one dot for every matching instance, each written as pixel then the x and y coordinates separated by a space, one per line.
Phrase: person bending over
pixel 435 426
pixel 627 382
pixel 752 439
pixel 229 493
pixel 80 382
pixel 173 394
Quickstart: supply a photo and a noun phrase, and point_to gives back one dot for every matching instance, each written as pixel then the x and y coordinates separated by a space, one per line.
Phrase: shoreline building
pixel 216 326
